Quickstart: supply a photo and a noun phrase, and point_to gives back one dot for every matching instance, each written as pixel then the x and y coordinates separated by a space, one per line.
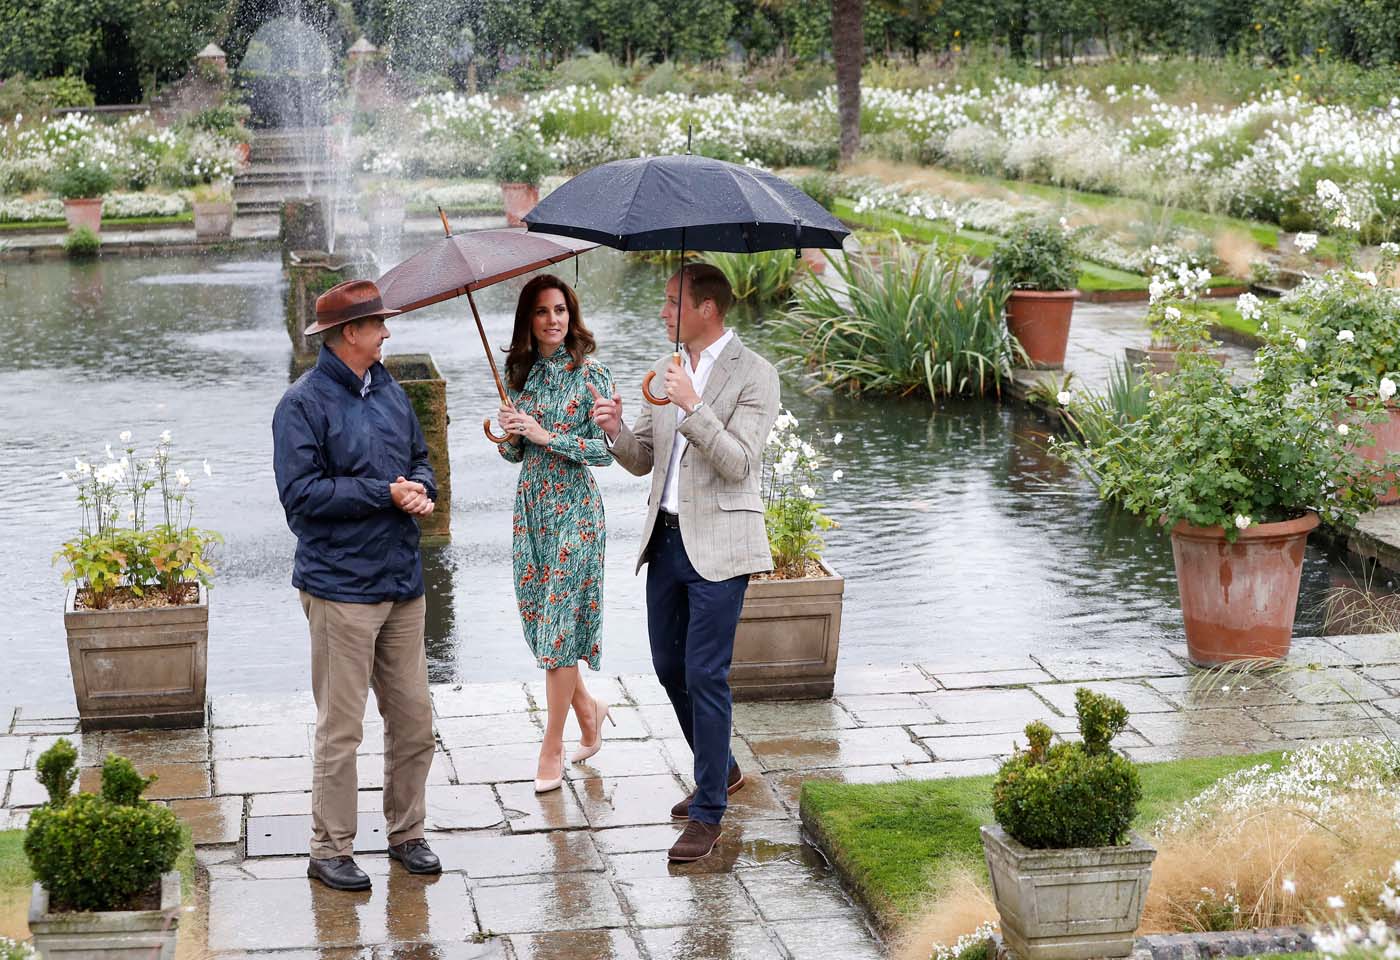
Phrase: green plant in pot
pixel 1175 317
pixel 81 180
pixel 1068 877
pixel 520 164
pixel 103 863
pixel 1240 474
pixel 1039 262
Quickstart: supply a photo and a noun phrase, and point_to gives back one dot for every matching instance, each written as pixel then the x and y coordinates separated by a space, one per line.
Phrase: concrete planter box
pixel 138 668
pixel 213 221
pixel 106 935
pixel 788 636
pixel 1068 904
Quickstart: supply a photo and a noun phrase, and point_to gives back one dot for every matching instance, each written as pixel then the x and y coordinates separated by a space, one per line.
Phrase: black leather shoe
pixel 338 873
pixel 416 856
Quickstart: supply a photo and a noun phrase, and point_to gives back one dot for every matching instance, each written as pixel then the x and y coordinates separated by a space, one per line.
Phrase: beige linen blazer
pixel 721 509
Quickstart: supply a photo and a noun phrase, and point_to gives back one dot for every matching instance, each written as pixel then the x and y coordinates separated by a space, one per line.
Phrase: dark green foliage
pixel 521 159
pixel 99 852
pixel 31 97
pixel 80 178
pixel 82 242
pixel 819 187
pixel 1070 794
pixel 1037 256
pixel 57 769
pixel 121 783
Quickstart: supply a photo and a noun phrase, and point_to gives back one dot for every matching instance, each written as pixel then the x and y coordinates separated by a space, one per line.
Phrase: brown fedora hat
pixel 351 300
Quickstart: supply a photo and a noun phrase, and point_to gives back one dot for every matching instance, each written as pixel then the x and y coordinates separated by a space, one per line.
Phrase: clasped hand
pixel 519 424
pixel 411 497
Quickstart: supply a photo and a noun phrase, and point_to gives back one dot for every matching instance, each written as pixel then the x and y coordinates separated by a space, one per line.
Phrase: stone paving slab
pixel 576 945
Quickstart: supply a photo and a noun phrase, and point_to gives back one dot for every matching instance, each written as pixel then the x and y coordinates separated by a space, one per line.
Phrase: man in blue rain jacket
pixel 352 473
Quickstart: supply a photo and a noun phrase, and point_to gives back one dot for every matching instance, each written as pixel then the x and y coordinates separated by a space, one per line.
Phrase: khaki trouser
pixel 356 646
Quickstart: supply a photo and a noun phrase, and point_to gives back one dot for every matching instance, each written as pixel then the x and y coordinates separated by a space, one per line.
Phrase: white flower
pixel 1064 397
pixel 1289 886
pixel 809 451
pixel 1336 903
pixel 1172 313
pixel 182 478
pixel 208 471
pixel 1343 429
pixel 1346 336
pixel 1369 276
pixel 108 448
pixel 1305 242
pixel 1301 344
pixel 837 475
pixel 1242 522
pixel 1249 306
pixel 124 436
pixel 165 436
pixel 1387 388
pixel 806 491
pixel 837 439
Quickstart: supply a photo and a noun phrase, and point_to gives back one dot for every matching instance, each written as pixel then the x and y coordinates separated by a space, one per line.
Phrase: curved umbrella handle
pixel 646 385
pixel 486 426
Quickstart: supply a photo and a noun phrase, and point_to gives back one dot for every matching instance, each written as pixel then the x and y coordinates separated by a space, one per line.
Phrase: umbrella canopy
pixel 685 203
pixel 459 264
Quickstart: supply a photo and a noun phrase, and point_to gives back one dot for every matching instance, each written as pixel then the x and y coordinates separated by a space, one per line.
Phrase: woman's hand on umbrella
pixel 522 425
pixel 607 411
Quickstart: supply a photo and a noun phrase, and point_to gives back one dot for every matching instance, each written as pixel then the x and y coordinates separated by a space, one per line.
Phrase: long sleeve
pixel 633 447
pixel 585 442
pixel 300 470
pixel 511 452
pixel 735 448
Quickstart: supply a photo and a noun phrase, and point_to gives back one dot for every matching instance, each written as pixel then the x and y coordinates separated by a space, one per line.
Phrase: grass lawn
pixel 112 222
pixel 896 843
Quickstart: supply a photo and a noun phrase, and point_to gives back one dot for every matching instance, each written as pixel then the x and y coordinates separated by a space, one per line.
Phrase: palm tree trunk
pixel 848 48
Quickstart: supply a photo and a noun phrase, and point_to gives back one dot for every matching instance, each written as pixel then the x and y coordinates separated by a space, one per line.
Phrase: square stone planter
pixel 138 668
pixel 213 220
pixel 1068 904
pixel 420 378
pixel 788 636
pixel 102 935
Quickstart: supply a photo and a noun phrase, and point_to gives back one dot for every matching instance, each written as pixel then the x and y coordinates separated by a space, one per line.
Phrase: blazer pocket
pixel 741 500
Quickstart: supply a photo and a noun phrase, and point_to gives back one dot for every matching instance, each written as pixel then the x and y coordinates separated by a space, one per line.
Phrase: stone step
pixel 312 174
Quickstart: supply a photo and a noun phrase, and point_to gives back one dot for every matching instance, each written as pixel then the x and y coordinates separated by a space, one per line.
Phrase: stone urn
pixel 213 220
pixel 138 668
pixel 1039 320
pixel 82 935
pixel 519 199
pixel 1239 599
pixel 788 637
pixel 1068 904
pixel 1387 434
pixel 83 212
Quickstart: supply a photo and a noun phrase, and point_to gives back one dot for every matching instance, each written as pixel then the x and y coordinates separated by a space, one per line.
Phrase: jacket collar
pixel 724 365
pixel 335 368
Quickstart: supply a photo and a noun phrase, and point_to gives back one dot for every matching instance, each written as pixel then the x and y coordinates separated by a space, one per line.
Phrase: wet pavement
pixel 581 872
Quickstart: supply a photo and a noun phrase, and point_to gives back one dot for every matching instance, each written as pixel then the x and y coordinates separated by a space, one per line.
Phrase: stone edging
pixel 1230 943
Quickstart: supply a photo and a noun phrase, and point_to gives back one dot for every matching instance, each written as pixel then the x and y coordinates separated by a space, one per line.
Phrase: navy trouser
pixel 691 622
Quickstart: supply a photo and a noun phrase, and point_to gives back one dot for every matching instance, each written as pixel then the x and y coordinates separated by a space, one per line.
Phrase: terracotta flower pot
pixel 84 212
pixel 1387 434
pixel 1238 599
pixel 1039 320
pixel 519 199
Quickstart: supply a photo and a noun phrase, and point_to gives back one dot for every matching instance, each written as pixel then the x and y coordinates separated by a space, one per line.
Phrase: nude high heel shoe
pixel 583 753
pixel 545 786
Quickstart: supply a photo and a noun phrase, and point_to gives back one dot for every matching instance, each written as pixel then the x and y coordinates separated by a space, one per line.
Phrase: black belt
pixel 668 519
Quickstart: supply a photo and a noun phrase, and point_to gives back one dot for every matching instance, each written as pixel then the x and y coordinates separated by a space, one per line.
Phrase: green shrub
pixel 762 278
pixel 908 322
pixel 521 159
pixel 19 94
pixel 82 242
pixel 1037 256
pixel 1070 794
pixel 99 852
pixel 57 770
pixel 819 186
pixel 15 950
pixel 594 70
pixel 227 120
pixel 80 177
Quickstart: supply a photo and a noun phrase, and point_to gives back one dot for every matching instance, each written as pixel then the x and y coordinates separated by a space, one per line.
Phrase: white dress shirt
pixel 670 496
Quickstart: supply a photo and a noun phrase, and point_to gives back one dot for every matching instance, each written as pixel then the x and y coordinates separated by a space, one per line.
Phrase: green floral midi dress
pixel 559 531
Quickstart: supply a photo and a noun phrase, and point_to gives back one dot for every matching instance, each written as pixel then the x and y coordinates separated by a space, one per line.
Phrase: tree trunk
pixel 848 47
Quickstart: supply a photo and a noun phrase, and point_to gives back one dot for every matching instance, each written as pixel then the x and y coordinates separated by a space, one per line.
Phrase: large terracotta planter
pixel 148 934
pixel 1387 434
pixel 1238 599
pixel 213 220
pixel 1068 904
pixel 84 212
pixel 519 199
pixel 788 636
pixel 1039 320
pixel 139 668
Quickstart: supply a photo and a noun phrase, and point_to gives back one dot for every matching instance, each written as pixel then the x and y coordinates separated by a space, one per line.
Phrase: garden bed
pixel 23 227
pixel 897 845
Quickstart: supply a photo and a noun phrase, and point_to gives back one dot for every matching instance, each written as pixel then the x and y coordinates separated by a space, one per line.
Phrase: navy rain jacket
pixel 335 454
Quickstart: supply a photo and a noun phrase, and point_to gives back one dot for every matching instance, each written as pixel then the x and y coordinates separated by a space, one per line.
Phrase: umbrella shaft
pixel 486 345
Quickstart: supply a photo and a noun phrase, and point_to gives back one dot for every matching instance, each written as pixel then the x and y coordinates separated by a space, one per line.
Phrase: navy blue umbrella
pixel 685 202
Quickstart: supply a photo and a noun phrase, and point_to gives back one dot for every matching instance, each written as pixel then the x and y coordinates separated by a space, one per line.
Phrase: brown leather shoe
pixel 681 811
pixel 696 842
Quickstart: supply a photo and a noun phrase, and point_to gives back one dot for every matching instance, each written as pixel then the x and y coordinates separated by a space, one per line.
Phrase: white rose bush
pixel 794 472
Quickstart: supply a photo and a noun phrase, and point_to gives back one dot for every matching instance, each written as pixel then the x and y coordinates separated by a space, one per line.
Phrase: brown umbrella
pixel 457 265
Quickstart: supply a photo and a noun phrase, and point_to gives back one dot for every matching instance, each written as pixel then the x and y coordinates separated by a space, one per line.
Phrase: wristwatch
pixel 698 405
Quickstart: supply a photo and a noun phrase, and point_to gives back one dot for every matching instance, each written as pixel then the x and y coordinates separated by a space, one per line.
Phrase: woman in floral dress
pixel 559 529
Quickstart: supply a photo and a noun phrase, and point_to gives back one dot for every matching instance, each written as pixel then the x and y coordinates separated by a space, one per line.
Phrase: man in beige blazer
pixel 704 532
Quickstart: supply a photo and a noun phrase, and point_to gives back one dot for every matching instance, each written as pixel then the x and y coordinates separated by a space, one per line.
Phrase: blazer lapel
pixel 724 367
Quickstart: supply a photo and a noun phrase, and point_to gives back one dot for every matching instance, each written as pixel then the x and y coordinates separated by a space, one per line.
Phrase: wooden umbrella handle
pixel 486 425
pixel 646 385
